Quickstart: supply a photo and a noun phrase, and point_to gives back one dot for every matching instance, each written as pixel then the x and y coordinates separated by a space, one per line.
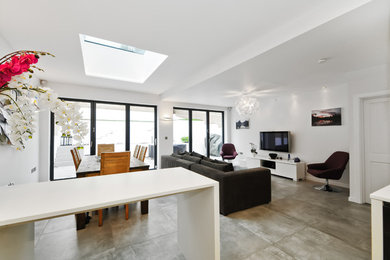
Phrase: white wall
pixel 164 127
pixel 293 113
pixel 15 166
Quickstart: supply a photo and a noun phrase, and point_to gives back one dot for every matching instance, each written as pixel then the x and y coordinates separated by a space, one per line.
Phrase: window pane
pixel 63 161
pixel 199 137
pixel 180 130
pixel 216 123
pixel 111 126
pixel 142 131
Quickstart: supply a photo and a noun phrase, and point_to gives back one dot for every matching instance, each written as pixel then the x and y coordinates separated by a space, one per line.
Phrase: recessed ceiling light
pixel 322 60
pixel 112 60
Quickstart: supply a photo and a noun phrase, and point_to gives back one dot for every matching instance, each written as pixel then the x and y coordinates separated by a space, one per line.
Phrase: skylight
pixel 111 60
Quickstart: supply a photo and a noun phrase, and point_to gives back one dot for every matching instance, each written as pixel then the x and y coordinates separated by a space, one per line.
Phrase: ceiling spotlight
pixel 322 60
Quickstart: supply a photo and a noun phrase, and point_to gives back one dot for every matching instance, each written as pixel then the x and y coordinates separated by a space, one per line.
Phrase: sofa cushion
pixel 208 159
pixel 177 155
pixel 197 155
pixel 183 153
pixel 192 158
pixel 184 163
pixel 225 167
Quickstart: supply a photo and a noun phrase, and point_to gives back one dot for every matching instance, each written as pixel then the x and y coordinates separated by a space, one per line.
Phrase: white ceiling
pixel 357 40
pixel 204 41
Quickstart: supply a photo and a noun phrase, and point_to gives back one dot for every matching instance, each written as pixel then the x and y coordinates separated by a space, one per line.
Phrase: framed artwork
pixel 242 124
pixel 326 117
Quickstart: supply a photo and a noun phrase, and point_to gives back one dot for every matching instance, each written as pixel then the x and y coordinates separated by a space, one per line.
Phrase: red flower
pixel 16 66
pixel 26 60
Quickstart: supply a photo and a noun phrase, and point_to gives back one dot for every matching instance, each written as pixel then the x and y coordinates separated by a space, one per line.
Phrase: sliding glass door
pixel 201 131
pixel 62 165
pixel 216 133
pixel 124 125
pixel 181 130
pixel 143 131
pixel 111 126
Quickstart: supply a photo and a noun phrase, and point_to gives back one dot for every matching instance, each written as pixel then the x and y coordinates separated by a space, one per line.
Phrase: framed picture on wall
pixel 326 117
pixel 242 124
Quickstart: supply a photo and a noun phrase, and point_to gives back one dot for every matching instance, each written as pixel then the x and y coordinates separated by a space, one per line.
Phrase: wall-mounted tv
pixel 278 141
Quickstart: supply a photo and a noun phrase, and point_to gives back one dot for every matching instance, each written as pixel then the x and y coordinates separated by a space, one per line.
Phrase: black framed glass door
pixel 121 124
pixel 198 130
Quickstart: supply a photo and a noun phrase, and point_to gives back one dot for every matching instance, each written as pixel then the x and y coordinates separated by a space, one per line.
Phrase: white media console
pixel 280 167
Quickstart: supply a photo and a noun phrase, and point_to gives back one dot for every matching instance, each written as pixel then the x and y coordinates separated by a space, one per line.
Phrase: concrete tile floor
pixel 299 223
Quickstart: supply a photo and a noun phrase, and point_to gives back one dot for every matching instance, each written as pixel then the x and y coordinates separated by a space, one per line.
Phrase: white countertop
pixel 30 202
pixel 382 194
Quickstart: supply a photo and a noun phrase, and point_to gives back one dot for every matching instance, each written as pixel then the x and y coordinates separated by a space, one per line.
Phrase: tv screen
pixel 275 141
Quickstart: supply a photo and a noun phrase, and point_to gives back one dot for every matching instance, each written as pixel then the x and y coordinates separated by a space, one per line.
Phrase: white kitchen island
pixel 198 207
pixel 377 200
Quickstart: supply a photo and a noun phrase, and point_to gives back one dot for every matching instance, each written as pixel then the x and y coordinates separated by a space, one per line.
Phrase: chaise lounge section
pixel 238 190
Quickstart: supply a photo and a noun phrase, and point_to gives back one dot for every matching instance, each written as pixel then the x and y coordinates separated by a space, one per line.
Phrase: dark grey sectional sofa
pixel 238 190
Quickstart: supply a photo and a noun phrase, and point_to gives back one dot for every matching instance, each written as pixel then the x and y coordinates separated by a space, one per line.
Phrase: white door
pixel 376 144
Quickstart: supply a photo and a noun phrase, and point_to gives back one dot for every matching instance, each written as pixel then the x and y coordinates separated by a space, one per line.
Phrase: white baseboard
pixel 331 182
pixel 356 200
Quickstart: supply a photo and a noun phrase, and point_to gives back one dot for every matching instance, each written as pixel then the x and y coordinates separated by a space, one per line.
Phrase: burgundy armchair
pixel 332 168
pixel 228 151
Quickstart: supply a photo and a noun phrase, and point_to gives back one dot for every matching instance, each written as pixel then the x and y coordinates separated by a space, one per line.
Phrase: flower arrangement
pixel 20 100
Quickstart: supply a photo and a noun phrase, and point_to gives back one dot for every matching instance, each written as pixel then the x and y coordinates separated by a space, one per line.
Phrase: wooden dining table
pixel 90 166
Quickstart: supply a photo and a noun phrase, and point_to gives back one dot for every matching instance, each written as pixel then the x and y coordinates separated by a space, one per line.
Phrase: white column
pixel 377 229
pixel 198 224
pixel 17 242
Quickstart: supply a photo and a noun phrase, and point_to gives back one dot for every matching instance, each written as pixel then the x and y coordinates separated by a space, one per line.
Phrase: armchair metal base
pixel 326 187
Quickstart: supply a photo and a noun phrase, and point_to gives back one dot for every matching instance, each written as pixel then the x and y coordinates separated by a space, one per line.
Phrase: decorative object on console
pixel 297 160
pixel 247 106
pixel 273 155
pixel 19 100
pixel 253 149
pixel 242 124
pixel 326 117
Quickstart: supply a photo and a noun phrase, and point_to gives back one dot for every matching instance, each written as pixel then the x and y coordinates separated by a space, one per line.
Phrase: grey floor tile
pixel 269 224
pixel 352 231
pixel 238 242
pixel 310 243
pixel 270 253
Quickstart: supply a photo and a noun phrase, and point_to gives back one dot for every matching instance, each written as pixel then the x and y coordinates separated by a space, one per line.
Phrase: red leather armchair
pixel 332 168
pixel 228 151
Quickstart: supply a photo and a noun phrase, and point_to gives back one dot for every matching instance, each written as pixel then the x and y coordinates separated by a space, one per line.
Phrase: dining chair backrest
pixel 136 151
pixel 105 148
pixel 111 163
pixel 77 154
pixel 142 153
pixel 76 160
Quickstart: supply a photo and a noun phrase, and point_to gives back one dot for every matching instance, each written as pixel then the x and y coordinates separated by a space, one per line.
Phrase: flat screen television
pixel 278 141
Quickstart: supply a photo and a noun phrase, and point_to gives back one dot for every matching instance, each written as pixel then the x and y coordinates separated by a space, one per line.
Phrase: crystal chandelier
pixel 247 106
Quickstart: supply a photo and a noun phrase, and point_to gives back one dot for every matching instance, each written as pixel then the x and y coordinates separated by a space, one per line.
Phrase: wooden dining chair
pixel 112 163
pixel 105 148
pixel 142 153
pixel 136 151
pixel 76 159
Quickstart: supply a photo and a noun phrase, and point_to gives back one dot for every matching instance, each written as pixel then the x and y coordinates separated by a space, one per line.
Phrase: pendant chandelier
pixel 247 106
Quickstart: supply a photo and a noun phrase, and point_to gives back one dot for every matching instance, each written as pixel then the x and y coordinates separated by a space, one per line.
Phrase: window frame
pixel 93 128
pixel 190 110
